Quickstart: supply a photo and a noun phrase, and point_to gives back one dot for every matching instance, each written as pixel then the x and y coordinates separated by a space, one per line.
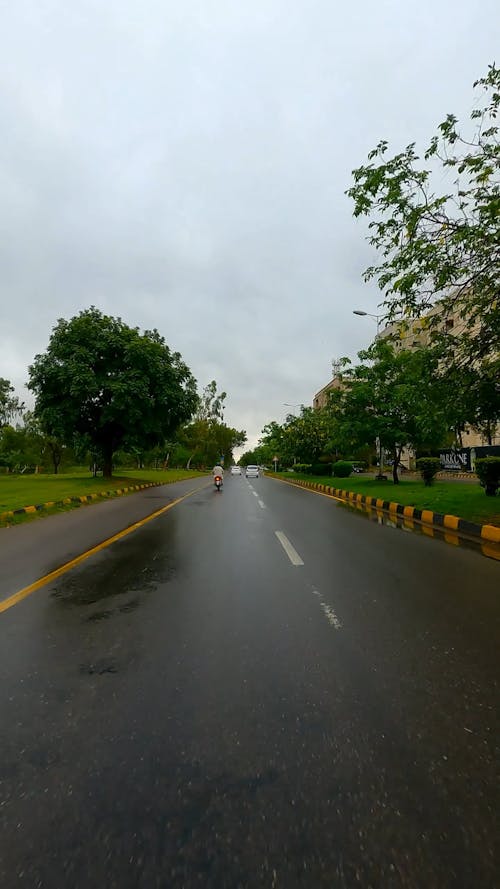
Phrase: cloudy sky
pixel 182 164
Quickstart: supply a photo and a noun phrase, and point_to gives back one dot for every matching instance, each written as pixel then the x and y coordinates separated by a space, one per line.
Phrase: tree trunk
pixel 395 476
pixel 107 462
pixel 396 454
pixel 398 450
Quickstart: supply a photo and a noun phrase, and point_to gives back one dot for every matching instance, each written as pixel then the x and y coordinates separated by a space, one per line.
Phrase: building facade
pixel 417 333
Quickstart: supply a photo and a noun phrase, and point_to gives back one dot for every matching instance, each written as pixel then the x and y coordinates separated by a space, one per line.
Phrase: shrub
pixel 342 469
pixel 428 468
pixel 304 468
pixel 321 469
pixel 488 471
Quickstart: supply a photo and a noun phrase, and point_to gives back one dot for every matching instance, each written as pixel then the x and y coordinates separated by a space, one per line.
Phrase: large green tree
pixel 207 437
pixel 207 442
pixel 391 396
pixel 470 395
pixel 111 385
pixel 307 436
pixel 435 245
pixel 302 438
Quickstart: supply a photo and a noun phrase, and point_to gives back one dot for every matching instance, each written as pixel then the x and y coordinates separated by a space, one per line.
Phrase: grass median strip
pixel 23 498
pixel 453 499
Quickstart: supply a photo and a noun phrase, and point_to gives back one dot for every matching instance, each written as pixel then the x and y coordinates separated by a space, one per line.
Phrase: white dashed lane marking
pixel 329 613
pixel 289 549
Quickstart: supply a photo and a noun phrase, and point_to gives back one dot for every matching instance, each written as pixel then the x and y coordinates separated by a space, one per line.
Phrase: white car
pixel 235 470
pixel 252 472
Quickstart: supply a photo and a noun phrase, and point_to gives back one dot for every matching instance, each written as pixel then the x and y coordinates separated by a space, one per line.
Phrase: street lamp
pixel 378 443
pixel 377 318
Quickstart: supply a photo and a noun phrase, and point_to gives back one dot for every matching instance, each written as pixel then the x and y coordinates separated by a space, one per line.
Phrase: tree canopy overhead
pixel 437 246
pixel 104 381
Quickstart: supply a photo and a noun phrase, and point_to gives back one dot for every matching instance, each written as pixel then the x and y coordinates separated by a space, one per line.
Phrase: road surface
pixel 257 688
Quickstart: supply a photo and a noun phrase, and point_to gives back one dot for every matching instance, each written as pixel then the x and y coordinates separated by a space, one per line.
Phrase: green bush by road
pixel 17 491
pixel 468 501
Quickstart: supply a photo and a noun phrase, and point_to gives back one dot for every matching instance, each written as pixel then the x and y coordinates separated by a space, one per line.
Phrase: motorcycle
pixel 218 482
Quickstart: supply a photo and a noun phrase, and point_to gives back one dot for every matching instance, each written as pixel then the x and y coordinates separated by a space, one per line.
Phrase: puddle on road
pixel 412 526
pixel 101 588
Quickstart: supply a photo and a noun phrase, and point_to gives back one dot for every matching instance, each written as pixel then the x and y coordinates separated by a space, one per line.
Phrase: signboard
pixel 458 460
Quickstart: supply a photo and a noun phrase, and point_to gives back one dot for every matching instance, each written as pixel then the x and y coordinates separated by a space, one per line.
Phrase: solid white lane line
pixel 255 493
pixel 289 549
pixel 262 505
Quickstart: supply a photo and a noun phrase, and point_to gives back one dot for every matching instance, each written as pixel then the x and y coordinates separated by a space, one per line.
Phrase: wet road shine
pixel 255 689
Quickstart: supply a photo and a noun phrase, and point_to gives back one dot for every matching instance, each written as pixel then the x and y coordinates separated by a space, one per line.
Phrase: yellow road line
pixel 63 569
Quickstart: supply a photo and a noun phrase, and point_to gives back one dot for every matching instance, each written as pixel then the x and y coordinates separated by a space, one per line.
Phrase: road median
pixel 25 498
pixel 78 501
pixel 486 532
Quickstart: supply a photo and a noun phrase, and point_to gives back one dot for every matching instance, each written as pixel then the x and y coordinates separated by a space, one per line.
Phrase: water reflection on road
pixel 402 523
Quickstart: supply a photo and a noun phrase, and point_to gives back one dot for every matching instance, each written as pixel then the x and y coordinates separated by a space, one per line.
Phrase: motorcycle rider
pixel 218 470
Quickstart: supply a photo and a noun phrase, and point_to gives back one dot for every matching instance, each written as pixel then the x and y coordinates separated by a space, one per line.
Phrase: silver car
pixel 252 472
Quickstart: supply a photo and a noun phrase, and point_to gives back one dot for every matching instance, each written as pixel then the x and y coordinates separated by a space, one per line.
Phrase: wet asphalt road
pixel 187 708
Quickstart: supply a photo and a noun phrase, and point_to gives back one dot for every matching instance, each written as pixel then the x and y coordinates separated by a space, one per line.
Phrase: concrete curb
pixel 451 475
pixel 485 533
pixel 85 498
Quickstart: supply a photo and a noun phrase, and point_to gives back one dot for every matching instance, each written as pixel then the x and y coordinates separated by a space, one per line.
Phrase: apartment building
pixel 411 334
pixel 417 332
pixel 321 398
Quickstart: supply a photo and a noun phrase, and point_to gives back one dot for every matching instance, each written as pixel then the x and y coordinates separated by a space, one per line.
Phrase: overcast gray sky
pixel 182 164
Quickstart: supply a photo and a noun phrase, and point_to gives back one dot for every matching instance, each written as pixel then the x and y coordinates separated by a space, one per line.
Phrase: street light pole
pixel 377 318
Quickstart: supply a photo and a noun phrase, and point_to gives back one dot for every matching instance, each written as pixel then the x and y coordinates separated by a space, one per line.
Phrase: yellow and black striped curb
pixel 84 498
pixel 451 474
pixel 489 533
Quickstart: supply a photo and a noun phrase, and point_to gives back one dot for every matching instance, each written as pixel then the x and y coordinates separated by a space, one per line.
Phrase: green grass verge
pixel 465 500
pixel 17 491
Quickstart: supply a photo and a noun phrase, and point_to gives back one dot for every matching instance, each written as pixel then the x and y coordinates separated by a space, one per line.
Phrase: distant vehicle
pixel 235 470
pixel 359 467
pixel 252 472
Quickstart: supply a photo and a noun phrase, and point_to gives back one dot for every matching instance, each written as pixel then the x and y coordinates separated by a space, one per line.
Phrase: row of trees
pixel 434 249
pixel 398 397
pixel 107 393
